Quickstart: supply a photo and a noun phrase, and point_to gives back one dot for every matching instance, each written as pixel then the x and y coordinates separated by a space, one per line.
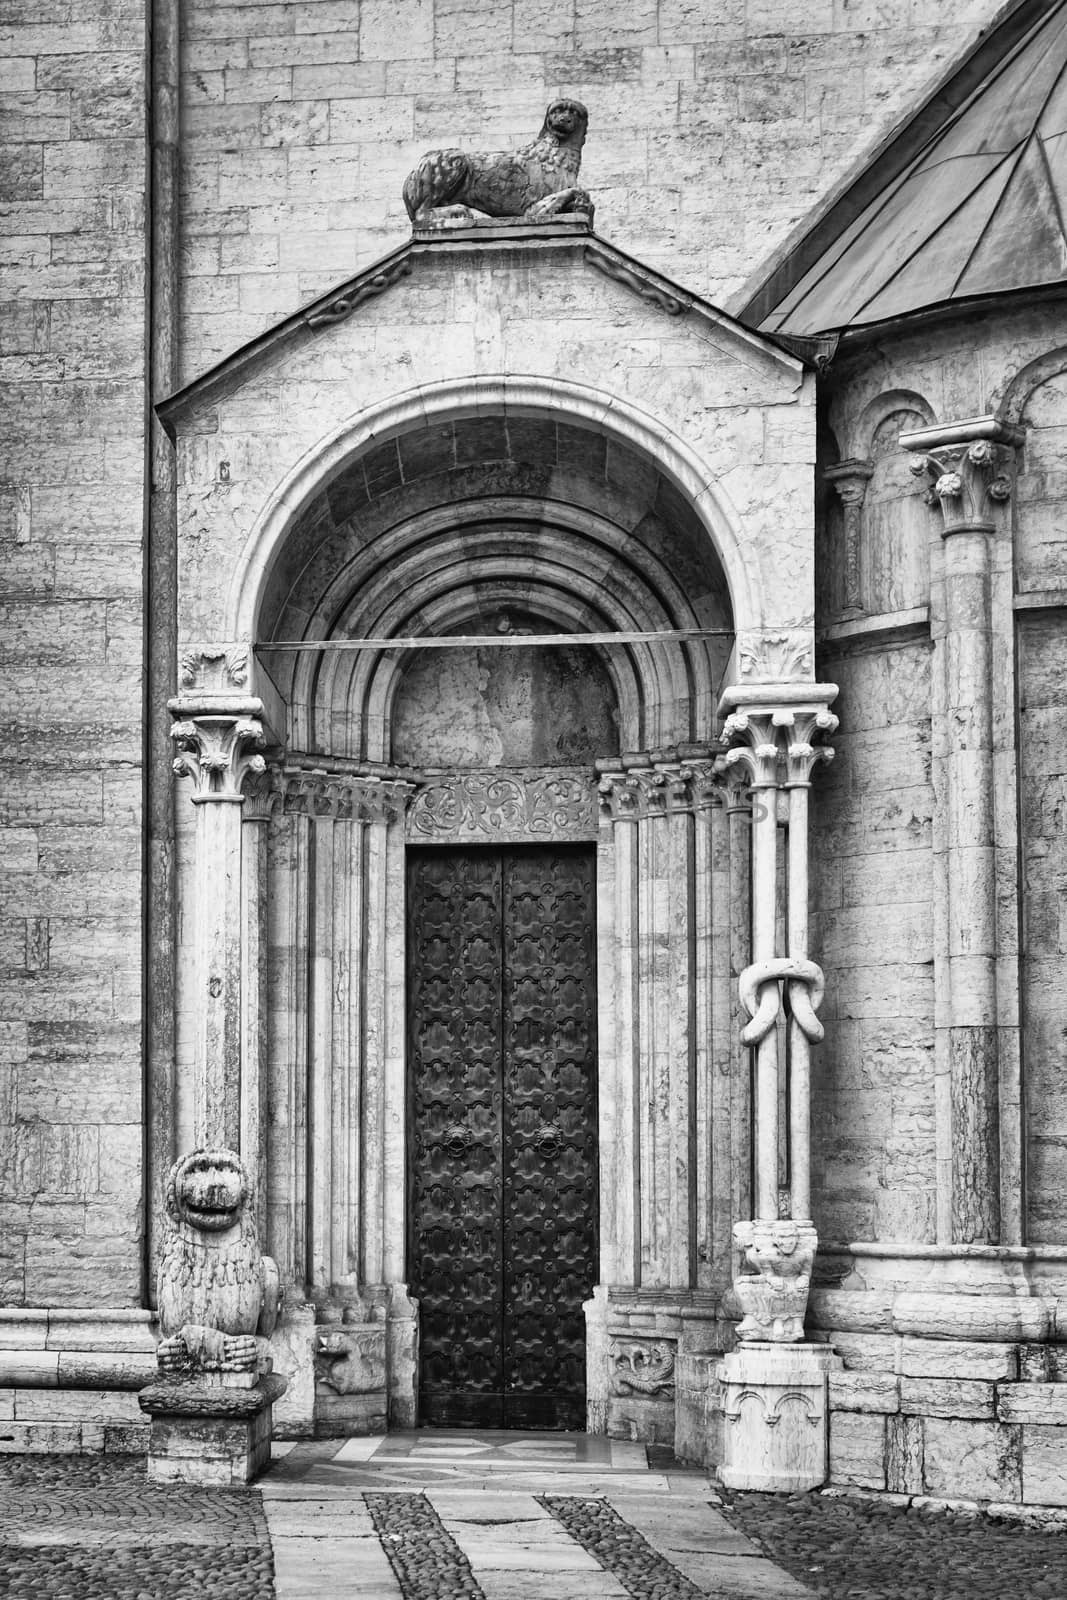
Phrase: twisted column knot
pixel 759 992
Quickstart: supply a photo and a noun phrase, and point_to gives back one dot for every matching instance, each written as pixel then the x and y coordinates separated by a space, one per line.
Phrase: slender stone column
pixel 260 800
pixel 218 747
pixel 758 753
pixel 850 479
pixel 963 461
pixel 773 746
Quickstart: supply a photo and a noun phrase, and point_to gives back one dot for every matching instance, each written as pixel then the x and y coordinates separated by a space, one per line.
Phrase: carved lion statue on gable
pixel 535 182
pixel 215 1290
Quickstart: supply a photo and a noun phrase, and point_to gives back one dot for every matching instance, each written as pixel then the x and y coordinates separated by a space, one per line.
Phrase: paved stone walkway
pixel 498 1516
pixel 439 1516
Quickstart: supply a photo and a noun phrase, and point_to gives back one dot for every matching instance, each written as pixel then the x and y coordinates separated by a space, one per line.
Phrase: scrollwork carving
pixel 504 806
pixel 218 752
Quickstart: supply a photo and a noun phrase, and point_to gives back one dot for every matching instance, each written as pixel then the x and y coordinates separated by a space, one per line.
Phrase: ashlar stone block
pixel 972 1460
pixel 958 1358
pixel 1044 1465
pixel 947 1397
pixel 858 1449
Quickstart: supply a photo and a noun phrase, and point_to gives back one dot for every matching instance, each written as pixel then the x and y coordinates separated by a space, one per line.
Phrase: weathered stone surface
pixel 1044 1465
pixel 858 1449
pixel 983 1317
pixel 972 1460
pixel 949 1397
pixel 1033 1402
pixel 954 1358
pixel 864 1391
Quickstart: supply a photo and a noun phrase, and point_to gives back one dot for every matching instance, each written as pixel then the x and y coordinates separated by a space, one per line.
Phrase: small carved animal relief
pixel 642 1369
pixel 215 1290
pixel 535 182
pixel 349 1361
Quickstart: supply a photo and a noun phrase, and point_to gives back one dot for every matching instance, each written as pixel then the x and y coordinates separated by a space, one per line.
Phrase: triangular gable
pixel 968 199
pixel 649 285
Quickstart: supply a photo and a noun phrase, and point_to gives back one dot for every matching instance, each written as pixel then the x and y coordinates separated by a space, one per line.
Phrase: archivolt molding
pixel 430 404
pixel 1017 394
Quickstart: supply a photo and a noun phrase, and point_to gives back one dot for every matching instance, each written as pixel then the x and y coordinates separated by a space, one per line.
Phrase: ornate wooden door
pixel 502 1195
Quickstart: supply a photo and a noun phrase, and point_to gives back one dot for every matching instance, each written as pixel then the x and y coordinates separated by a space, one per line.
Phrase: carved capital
pixel 664 789
pixel 969 468
pixel 775 746
pixel 219 751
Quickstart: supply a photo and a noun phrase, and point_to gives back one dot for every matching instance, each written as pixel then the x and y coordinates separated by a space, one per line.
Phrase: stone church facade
pixel 542 733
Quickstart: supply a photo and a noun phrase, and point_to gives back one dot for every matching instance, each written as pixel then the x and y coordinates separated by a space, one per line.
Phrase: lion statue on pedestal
pixel 533 183
pixel 215 1290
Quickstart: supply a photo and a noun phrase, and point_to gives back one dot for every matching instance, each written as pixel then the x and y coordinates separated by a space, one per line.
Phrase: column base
pixel 207 1434
pixel 773 1399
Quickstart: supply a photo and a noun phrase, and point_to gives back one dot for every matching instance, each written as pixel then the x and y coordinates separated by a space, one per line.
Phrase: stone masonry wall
pixel 873 1158
pixel 713 127
pixel 72 341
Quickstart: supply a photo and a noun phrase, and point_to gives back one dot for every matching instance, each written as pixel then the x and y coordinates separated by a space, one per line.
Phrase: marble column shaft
pixel 963 462
pixel 218 749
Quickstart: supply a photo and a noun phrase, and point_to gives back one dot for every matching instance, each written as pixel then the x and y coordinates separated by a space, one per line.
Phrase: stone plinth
pixel 207 1433
pixel 773 1399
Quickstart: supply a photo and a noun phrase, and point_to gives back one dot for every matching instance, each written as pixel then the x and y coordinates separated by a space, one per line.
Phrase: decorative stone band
pixel 967 464
pixel 664 789
pixel 759 987
pixel 340 796
pixel 219 751
pixel 506 806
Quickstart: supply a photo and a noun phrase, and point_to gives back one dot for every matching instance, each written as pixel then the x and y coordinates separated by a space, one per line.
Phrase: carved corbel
pixel 850 479
pixel 219 751
pixel 968 467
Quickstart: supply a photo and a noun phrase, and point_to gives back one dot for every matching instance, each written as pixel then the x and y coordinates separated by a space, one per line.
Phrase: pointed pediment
pixel 573 273
pixel 968 199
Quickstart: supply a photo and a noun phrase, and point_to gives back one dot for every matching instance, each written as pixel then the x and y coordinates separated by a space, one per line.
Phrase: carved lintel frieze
pixel 508 806
pixel 219 751
pixel 642 1367
pixel 659 791
pixel 850 479
pixel 340 796
pixel 969 468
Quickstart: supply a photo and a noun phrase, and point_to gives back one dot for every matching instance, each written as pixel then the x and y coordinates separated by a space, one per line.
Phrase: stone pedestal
pixel 209 1434
pixel 773 1400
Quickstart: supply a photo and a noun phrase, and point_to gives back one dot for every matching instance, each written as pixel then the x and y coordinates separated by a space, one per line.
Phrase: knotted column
pixel 773 1386
pixel 964 462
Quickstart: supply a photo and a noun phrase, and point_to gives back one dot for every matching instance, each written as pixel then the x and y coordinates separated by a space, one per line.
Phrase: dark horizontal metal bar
pixel 488 640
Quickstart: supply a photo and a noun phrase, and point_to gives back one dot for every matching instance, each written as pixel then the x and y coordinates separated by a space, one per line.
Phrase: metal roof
pixel 980 208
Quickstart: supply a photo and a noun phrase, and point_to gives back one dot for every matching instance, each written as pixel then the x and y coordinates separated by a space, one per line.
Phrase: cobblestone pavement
pixel 862 1549
pixel 435 1516
pixel 92 1528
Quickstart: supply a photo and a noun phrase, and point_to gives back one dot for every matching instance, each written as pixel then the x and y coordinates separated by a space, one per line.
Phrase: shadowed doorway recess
pixel 502 1159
